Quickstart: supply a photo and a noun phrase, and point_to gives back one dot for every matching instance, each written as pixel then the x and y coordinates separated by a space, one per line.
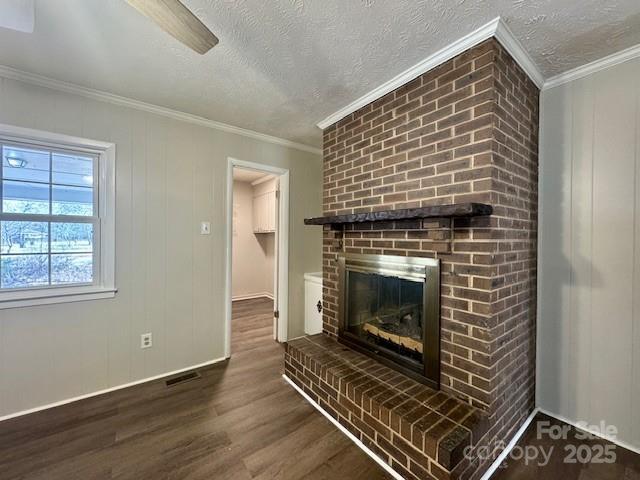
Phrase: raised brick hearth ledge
pixel 419 431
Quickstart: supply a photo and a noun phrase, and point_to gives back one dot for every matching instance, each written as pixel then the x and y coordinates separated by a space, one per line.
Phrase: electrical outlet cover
pixel 146 340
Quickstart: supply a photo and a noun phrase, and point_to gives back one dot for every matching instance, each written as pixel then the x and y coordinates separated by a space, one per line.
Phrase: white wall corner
pixel 495 28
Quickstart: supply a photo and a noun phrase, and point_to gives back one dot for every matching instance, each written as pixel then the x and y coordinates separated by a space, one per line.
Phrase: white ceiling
pixel 248 176
pixel 283 65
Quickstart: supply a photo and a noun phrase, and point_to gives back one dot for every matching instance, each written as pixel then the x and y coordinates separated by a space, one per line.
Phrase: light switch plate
pixel 205 228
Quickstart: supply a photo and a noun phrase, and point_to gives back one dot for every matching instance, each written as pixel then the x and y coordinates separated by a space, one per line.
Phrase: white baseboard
pixel 595 433
pixel 498 461
pixel 112 389
pixel 494 466
pixel 251 296
pixel 352 437
pixel 296 338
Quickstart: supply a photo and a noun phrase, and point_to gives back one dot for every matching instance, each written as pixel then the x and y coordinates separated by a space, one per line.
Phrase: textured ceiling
pixel 283 65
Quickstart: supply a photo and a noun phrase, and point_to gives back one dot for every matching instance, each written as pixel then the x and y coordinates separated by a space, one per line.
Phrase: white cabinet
pixel 264 210
pixel 313 303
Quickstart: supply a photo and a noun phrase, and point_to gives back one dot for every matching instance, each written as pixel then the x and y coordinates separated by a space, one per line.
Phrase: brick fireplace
pixel 390 310
pixel 466 131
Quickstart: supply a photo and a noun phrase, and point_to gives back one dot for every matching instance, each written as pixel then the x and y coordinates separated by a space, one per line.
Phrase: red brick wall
pixel 465 131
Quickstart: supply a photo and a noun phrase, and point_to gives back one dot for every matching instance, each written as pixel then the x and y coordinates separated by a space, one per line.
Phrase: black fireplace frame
pixel 424 270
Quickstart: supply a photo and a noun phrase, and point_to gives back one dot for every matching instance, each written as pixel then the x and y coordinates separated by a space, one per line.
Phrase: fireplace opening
pixel 389 309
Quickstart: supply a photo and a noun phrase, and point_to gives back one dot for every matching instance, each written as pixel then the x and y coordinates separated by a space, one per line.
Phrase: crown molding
pixel 61 86
pixel 512 45
pixel 477 36
pixel 495 28
pixel 593 67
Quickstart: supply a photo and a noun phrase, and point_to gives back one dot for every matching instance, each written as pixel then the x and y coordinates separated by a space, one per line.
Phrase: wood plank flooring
pixel 239 421
pixel 542 456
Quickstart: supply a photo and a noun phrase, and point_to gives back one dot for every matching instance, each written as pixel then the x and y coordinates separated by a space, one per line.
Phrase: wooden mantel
pixel 435 211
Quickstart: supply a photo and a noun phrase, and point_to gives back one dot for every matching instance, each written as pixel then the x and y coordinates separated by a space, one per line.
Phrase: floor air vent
pixel 185 377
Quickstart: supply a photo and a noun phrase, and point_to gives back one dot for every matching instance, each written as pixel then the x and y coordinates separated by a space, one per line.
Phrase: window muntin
pixel 49 222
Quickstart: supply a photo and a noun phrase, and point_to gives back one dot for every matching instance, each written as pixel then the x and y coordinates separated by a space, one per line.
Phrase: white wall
pixel 170 175
pixel 253 254
pixel 589 260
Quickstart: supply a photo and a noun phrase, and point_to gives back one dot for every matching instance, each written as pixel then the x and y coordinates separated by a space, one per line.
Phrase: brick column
pixel 464 131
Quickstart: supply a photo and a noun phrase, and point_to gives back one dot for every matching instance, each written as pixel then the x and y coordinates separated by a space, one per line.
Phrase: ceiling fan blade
pixel 178 21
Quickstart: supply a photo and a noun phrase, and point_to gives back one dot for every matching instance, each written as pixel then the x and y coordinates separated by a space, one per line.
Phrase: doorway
pixel 257 237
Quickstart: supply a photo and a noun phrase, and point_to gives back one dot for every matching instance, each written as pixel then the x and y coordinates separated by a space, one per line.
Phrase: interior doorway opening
pixel 257 242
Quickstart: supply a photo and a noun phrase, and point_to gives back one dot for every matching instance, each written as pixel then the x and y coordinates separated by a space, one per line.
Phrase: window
pixel 56 219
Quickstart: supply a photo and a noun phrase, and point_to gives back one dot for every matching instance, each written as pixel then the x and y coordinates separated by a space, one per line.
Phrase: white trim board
pixel 281 272
pixel 350 435
pixel 108 390
pixel 491 470
pixel 496 463
pixel 251 296
pixel 495 28
pixel 512 45
pixel 58 85
pixel 593 67
pixel 595 433
pixel 512 443
pixel 103 285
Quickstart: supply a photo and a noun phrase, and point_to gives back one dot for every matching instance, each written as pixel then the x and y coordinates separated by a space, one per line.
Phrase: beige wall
pixel 253 254
pixel 170 176
pixel 589 262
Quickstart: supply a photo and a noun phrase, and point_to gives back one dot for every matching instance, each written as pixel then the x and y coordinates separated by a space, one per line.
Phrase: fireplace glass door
pixel 387 313
pixel 389 308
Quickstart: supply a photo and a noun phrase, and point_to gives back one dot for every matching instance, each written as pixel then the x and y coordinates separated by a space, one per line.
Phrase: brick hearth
pixel 411 426
pixel 467 131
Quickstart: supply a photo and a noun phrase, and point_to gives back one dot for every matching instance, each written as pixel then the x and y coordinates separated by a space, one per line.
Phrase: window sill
pixel 54 295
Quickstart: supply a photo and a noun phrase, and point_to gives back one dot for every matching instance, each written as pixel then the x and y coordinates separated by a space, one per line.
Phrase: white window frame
pixel 103 285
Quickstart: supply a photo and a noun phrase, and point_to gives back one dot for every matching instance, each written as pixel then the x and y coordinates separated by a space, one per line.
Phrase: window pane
pixel 22 197
pixel 24 237
pixel 72 170
pixel 71 268
pixel 71 237
pixel 72 200
pixel 25 164
pixel 38 181
pixel 19 271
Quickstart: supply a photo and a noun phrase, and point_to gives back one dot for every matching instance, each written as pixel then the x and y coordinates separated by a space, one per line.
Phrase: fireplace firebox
pixel 389 308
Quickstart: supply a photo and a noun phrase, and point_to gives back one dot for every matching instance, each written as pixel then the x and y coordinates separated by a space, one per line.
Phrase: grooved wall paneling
pixel 589 262
pixel 170 176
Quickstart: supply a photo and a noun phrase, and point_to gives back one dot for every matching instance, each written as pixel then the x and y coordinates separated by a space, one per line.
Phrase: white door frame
pixel 282 270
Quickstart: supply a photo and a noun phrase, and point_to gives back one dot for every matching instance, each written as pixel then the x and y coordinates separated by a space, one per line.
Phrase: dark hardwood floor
pixel 239 421
pixel 566 456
